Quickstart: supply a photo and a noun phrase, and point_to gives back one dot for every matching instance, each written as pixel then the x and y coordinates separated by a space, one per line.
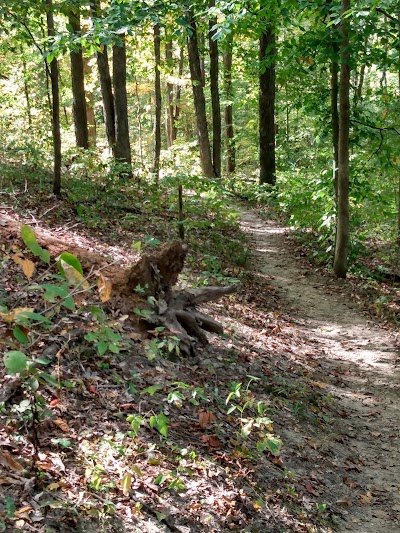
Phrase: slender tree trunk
pixel 78 88
pixel 170 93
pixel 267 107
pixel 26 90
pixel 107 96
pixel 228 110
pixel 122 144
pixel 342 223
pixel 158 102
pixel 199 100
pixel 177 106
pixel 335 121
pixel 398 198
pixel 215 99
pixel 55 105
pixel 91 118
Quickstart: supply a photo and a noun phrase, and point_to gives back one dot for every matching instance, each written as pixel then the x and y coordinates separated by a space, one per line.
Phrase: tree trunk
pixel 103 68
pixel 157 93
pixel 55 115
pixel 107 96
pixel 122 144
pixel 199 100
pixel 78 88
pixel 170 94
pixel 228 110
pixel 215 99
pixel 342 223
pixel 26 90
pixel 267 106
pixel 91 118
pixel 335 122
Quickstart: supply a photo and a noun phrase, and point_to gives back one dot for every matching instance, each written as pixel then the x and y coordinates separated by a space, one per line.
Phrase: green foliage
pixel 29 238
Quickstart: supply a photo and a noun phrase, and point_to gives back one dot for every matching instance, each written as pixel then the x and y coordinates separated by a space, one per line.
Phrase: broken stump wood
pixel 176 309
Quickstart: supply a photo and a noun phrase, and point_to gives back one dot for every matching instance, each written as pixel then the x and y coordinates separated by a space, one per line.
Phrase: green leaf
pixel 152 389
pixel 272 444
pixel 54 291
pixel 15 361
pixel 49 378
pixel 160 479
pixel 69 303
pixel 20 335
pixel 137 246
pixel 29 238
pixel 151 241
pixel 35 317
pixel 71 260
pixel 102 347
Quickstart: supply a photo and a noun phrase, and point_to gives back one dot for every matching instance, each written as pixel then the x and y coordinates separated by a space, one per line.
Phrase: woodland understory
pixel 155 159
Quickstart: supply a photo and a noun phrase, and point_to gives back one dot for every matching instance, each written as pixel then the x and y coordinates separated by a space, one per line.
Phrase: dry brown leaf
pixel 205 418
pixel 28 266
pixel 24 510
pixel 53 486
pixel 10 317
pixel 366 499
pixel 211 440
pixel 104 286
pixel 59 422
pixel 7 460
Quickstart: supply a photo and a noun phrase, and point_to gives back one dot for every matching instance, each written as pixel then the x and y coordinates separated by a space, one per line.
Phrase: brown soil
pixel 366 359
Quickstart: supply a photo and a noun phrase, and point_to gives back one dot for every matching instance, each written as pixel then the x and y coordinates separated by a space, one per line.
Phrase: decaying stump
pixel 153 275
pixel 174 309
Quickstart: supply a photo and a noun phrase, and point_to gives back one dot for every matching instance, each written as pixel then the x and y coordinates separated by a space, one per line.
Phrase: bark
pixel 199 100
pixel 157 93
pixel 78 88
pixel 55 105
pixel 228 110
pixel 107 96
pixel 122 143
pixel 26 90
pixel 342 223
pixel 215 99
pixel 103 68
pixel 91 118
pixel 170 95
pixel 335 122
pixel 267 107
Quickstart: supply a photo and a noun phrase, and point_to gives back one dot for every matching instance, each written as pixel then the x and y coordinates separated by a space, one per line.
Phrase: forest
pixel 199 251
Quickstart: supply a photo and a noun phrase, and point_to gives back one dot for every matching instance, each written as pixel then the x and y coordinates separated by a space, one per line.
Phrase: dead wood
pixel 154 274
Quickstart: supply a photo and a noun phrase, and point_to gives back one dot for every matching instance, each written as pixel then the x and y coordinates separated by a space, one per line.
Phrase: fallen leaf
pixel 24 510
pixel 59 422
pixel 104 286
pixel 310 489
pixel 366 499
pixel 344 502
pixel 211 440
pixel 7 460
pixel 53 486
pixel 375 434
pixel 28 266
pixel 205 418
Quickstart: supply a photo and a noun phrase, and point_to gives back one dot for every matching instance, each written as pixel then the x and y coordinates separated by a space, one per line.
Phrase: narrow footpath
pixel 369 390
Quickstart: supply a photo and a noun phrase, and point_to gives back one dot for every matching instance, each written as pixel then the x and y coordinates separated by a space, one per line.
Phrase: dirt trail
pixel 369 390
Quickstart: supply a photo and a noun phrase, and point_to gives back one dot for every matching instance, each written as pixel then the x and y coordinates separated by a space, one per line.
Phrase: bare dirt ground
pixel 367 360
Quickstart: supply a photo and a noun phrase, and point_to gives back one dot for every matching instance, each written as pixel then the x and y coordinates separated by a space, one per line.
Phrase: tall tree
pixel 78 84
pixel 230 163
pixel 122 149
pixel 107 96
pixel 158 101
pixel 199 99
pixel 342 219
pixel 55 91
pixel 267 105
pixel 215 98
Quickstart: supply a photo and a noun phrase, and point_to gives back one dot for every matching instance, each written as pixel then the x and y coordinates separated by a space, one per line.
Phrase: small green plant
pixel 106 339
pixel 161 423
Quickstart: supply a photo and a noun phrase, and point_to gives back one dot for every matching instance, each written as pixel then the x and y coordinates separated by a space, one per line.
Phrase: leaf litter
pixel 103 466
